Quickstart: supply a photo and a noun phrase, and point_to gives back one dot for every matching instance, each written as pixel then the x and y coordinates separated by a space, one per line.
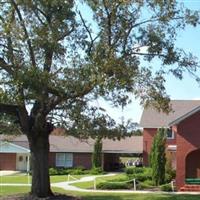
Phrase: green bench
pixel 192 181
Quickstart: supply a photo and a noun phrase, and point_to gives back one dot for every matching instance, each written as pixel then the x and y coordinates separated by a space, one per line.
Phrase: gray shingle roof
pixel 71 144
pixel 151 118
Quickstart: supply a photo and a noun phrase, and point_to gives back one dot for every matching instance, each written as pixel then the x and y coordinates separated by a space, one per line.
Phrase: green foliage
pixel 55 62
pixel 170 173
pixel 166 187
pixel 75 171
pixel 97 153
pixel 140 174
pixel 145 185
pixel 113 185
pixel 158 157
pixel 58 171
pixel 134 170
pixel 66 171
pixel 96 171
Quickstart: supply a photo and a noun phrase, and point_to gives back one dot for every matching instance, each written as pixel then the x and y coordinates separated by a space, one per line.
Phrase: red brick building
pixel 66 152
pixel 183 141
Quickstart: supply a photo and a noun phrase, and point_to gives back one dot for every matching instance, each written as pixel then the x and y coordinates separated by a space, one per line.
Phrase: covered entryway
pixel 22 162
pixel 193 164
pixel 15 157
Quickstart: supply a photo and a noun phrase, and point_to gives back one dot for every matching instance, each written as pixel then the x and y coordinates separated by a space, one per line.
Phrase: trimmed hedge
pixel 139 173
pixel 134 170
pixel 74 171
pixel 166 187
pixel 113 185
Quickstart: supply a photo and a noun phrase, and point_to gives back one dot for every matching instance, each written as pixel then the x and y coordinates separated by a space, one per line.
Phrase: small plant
pixel 166 187
pixel 134 170
pixel 96 171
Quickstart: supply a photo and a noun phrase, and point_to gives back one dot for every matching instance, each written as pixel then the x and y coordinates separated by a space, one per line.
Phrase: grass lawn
pixel 10 190
pixel 90 184
pixel 15 179
pixel 23 178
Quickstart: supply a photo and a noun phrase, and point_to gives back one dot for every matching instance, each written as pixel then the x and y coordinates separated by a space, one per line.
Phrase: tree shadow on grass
pixel 140 197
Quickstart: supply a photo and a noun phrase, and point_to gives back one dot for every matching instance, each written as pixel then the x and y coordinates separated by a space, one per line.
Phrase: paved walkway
pixel 68 186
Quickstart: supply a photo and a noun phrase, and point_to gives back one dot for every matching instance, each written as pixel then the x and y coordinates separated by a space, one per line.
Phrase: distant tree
pixel 158 157
pixel 54 64
pixel 97 154
pixel 137 132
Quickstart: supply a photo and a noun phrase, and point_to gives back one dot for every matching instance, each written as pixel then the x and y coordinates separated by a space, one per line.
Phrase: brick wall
pixel 7 161
pixel 82 159
pixel 148 135
pixel 188 140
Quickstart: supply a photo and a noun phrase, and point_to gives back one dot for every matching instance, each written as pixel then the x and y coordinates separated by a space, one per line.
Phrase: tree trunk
pixel 39 146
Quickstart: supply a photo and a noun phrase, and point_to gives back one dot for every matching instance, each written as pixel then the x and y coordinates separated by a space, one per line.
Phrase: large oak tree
pixel 54 63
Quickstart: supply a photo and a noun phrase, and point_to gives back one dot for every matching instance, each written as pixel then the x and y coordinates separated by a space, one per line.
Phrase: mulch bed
pixel 29 197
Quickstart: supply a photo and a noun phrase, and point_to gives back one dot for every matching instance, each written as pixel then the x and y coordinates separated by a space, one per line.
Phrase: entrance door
pixel 21 162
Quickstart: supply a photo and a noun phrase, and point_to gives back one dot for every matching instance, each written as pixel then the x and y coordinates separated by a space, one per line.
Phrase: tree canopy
pixel 54 63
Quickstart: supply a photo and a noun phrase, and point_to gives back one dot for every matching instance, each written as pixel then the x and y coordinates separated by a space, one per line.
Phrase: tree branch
pixel 31 52
pixel 5 66
pixel 109 15
pixel 92 40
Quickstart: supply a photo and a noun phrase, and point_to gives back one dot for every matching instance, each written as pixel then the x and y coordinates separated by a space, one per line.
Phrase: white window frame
pixel 64 159
pixel 172 136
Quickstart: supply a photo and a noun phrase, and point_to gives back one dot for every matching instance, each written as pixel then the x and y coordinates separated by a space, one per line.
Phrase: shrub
pixel 166 187
pixel 134 170
pixel 145 185
pixel 141 177
pixel 53 171
pixel 170 175
pixel 76 171
pixel 58 171
pixel 96 171
pixel 140 174
pixel 66 171
pixel 113 185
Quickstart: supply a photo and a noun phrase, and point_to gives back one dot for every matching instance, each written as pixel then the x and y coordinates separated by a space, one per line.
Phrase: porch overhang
pixel 7 147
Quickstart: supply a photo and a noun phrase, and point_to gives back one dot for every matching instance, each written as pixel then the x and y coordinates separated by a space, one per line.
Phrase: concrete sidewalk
pixel 68 186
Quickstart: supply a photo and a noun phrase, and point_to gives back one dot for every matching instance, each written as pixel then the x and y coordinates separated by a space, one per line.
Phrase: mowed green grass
pixel 12 190
pixel 24 179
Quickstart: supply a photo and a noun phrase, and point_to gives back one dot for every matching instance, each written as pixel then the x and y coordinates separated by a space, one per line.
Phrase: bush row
pixel 74 171
pixel 113 185
pixel 142 174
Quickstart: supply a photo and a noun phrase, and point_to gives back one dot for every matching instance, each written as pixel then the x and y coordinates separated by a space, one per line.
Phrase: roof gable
pixel 182 109
pixel 7 147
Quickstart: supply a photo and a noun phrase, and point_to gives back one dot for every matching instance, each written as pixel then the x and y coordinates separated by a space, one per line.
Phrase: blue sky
pixel 188 88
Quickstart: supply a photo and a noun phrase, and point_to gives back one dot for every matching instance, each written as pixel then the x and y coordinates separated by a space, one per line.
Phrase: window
pixel 170 133
pixel 20 158
pixel 64 159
